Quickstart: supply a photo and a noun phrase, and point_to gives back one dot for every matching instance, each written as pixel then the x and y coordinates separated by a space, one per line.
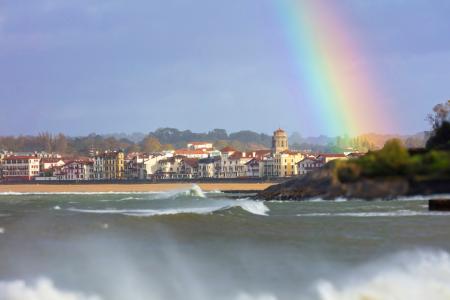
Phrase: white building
pixel 327 157
pixel 208 167
pixel 309 164
pixel 19 168
pixel 200 146
pixel 77 170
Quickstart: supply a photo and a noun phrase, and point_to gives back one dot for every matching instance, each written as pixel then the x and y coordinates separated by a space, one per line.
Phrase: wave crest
pixel 43 289
pixel 412 276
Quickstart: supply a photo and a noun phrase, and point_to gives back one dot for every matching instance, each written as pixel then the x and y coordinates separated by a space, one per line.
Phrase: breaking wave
pixel 253 207
pixel 416 275
pixel 42 289
pixel 413 276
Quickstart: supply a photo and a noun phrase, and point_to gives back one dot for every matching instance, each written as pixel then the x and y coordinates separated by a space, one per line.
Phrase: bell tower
pixel 279 141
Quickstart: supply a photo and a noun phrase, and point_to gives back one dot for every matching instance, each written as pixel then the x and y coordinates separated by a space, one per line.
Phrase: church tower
pixel 279 141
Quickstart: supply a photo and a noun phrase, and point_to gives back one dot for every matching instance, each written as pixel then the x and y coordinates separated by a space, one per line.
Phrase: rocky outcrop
pixel 325 184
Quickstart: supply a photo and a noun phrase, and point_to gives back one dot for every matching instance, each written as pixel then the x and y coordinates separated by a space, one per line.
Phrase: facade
pixel 200 145
pixel 48 165
pixel 309 164
pixel 134 167
pixel 208 167
pixel 77 170
pixel 168 168
pixel 254 167
pixel 20 168
pixel 109 166
pixel 327 157
pixel 191 153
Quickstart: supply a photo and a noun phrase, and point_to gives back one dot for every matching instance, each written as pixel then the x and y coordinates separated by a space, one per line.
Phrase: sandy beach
pixel 150 187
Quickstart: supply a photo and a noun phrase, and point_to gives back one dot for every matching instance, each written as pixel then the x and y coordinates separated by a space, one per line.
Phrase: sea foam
pixel 413 276
pixel 42 289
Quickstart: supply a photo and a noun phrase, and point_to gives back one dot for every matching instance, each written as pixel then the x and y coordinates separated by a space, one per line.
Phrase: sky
pixel 104 66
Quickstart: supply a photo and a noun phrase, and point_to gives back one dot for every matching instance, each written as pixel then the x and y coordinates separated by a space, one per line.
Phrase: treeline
pixel 161 139
pixel 172 138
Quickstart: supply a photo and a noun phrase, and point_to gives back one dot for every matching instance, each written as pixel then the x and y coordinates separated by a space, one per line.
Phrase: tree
pixel 440 138
pixel 151 144
pixel 441 114
pixel 440 122
pixel 61 144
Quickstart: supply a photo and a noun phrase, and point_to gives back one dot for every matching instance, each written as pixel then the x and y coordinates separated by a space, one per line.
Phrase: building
pixel 188 168
pixel 109 165
pixel 77 170
pixel 168 168
pixel 200 146
pixel 279 141
pixel 20 168
pixel 254 167
pixel 47 165
pixel 134 167
pixel 189 153
pixel 208 167
pixel 327 157
pixel 309 164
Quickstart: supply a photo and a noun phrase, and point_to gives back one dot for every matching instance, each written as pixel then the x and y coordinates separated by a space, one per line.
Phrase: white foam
pixel 149 212
pixel 57 207
pixel 42 289
pixel 397 213
pixel 2 230
pixel 253 207
pixel 412 276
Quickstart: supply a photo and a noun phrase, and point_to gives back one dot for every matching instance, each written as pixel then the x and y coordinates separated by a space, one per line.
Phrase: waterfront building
pixel 309 164
pixel 47 165
pixel 207 167
pixel 151 164
pixel 188 168
pixel 109 165
pixel 20 168
pixel 285 163
pixel 77 170
pixel 134 167
pixel 168 168
pixel 254 167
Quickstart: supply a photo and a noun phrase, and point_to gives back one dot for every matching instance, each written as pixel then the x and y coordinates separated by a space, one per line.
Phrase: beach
pixel 142 187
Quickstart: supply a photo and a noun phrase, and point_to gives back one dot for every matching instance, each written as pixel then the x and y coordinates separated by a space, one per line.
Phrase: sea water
pixel 192 244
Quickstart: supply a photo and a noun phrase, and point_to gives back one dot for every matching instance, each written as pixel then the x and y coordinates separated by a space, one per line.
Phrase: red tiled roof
pixel 228 149
pixel 188 152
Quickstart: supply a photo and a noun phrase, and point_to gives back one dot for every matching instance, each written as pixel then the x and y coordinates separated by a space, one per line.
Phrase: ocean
pixel 190 244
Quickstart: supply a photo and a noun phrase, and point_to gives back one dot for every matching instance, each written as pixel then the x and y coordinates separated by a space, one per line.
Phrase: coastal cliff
pixel 326 184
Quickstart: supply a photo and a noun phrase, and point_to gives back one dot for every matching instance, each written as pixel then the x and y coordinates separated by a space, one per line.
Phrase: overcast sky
pixel 81 66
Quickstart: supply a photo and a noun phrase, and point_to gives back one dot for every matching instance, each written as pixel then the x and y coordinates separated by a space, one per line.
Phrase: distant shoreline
pixel 139 187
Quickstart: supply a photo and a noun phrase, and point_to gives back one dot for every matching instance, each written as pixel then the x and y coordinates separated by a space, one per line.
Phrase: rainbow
pixel 331 72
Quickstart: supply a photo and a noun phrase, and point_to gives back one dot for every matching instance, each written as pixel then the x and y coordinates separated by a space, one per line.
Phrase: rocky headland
pixel 326 184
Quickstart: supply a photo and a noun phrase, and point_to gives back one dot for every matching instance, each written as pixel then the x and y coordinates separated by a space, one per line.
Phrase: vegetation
pixel 394 159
